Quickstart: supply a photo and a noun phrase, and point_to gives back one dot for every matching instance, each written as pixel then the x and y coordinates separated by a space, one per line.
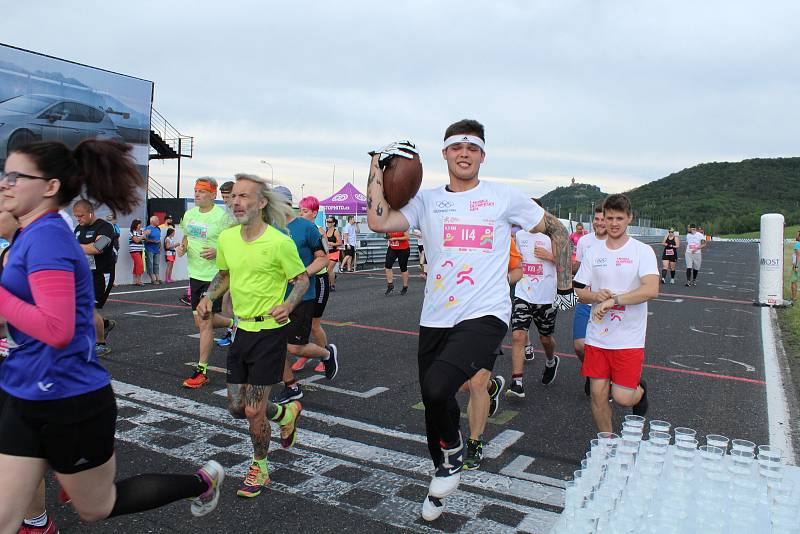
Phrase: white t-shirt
pixel 538 283
pixel 467 244
pixel 621 270
pixel 585 243
pixel 693 241
pixel 350 235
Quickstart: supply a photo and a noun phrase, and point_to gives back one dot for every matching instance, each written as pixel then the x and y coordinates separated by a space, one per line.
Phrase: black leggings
pixel 440 382
pixel 401 255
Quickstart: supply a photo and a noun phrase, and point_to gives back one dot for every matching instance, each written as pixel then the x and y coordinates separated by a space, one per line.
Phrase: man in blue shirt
pixel 309 245
pixel 152 249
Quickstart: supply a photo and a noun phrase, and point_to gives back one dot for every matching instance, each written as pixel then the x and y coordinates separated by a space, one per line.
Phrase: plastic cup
pixel 717 440
pixel 658 437
pixel 608 439
pixel 634 420
pixel 660 426
pixel 769 453
pixel 742 445
pixel 684 433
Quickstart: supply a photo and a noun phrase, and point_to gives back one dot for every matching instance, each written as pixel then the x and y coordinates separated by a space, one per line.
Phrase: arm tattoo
pixel 562 249
pixel 236 400
pixel 379 210
pixel 219 285
pixel 299 289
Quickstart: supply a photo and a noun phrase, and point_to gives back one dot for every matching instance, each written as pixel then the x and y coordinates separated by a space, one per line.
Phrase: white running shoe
pixel 448 475
pixel 213 474
pixel 432 508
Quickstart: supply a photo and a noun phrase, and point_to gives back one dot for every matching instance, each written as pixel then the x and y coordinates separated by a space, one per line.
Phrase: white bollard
pixel 770 280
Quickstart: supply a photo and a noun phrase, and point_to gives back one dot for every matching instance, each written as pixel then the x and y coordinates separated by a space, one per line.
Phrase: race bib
pixel 466 235
pixel 669 252
pixel 533 269
pixel 694 248
pixel 197 230
pixel 394 243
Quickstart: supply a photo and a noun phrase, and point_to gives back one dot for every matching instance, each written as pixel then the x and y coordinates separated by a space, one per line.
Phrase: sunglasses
pixel 11 177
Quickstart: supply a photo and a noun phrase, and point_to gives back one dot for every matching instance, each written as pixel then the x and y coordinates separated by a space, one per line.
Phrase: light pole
pixel 271 172
pixel 302 190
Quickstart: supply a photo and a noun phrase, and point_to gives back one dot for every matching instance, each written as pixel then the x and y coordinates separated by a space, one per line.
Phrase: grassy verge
pixel 788 233
pixel 789 321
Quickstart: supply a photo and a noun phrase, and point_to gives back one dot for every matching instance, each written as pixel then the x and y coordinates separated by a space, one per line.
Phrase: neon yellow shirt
pixel 202 230
pixel 259 272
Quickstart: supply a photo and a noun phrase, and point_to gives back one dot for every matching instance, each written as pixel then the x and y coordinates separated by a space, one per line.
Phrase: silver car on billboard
pixel 28 118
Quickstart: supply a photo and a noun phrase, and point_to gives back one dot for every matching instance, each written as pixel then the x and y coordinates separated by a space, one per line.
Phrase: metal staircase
pixel 166 142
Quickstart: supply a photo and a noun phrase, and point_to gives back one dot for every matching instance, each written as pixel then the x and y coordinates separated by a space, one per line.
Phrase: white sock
pixel 37 521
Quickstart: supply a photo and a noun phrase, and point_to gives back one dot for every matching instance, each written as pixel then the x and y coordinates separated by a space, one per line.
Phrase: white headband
pixel 472 139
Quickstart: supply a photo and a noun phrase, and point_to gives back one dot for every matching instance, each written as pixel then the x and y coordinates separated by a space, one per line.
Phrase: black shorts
pixel 321 281
pixel 299 328
pixel 670 258
pixel 470 345
pixel 73 434
pixel 257 358
pixel 350 251
pixel 542 315
pixel 103 283
pixel 197 288
pixel 401 255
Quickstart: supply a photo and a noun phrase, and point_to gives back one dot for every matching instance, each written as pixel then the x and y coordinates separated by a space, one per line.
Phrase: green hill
pixel 721 197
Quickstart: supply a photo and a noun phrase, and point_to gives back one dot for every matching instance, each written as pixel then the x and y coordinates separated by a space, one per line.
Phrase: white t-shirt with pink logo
pixel 538 283
pixel 621 270
pixel 467 244
pixel 693 241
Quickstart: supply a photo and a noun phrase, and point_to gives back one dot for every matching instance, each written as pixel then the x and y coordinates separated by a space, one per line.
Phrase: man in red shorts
pixel 617 278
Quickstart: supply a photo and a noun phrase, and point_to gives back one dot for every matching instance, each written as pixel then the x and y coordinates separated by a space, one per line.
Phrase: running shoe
pixel 496 385
pixel 197 379
pixel 549 373
pixel 515 390
pixel 49 528
pixel 672 281
pixel 641 407
pixel 474 454
pixel 185 300
pixel 289 394
pixel 108 326
pixel 448 475
pixel 299 364
pixel 320 368
pixel 404 290
pixel 289 430
pixel 694 283
pixel 212 474
pixel 254 482
pixel 688 284
pixel 331 365
pixel 333 288
pixel 663 281
pixel 102 350
pixel 389 289
pixel 225 341
pixel 432 508
pixel 529 354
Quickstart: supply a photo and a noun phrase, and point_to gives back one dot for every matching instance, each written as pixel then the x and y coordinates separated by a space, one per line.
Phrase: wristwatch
pixel 616 300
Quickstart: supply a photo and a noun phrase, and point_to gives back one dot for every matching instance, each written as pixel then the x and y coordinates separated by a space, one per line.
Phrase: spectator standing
pixel 575 237
pixel 334 242
pixel 350 236
pixel 169 253
pixel 136 248
pixel 152 248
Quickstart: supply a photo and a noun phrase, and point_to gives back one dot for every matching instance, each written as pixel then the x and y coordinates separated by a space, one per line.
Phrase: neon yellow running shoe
pixel 254 481
pixel 289 430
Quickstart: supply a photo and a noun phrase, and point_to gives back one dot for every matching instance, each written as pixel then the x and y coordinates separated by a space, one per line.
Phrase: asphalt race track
pixel 361 463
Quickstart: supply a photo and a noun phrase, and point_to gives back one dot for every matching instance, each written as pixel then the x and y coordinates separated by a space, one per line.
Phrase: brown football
pixel 402 178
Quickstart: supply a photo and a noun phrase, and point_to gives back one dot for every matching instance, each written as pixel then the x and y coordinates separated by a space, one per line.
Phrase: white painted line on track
pixel 192 439
pixel 493 449
pixel 523 490
pixel 312 381
pixel 517 469
pixel 780 429
pixel 146 290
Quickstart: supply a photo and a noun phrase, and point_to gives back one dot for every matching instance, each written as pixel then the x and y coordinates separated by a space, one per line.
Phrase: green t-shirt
pixel 202 230
pixel 259 272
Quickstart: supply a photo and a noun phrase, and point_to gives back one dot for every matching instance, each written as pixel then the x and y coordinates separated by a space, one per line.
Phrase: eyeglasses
pixel 11 177
pixel 331 222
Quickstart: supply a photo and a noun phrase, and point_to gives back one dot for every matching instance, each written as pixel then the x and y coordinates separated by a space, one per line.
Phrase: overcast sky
pixel 614 93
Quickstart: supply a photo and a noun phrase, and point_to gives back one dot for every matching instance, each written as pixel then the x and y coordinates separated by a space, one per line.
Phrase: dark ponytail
pixel 104 168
